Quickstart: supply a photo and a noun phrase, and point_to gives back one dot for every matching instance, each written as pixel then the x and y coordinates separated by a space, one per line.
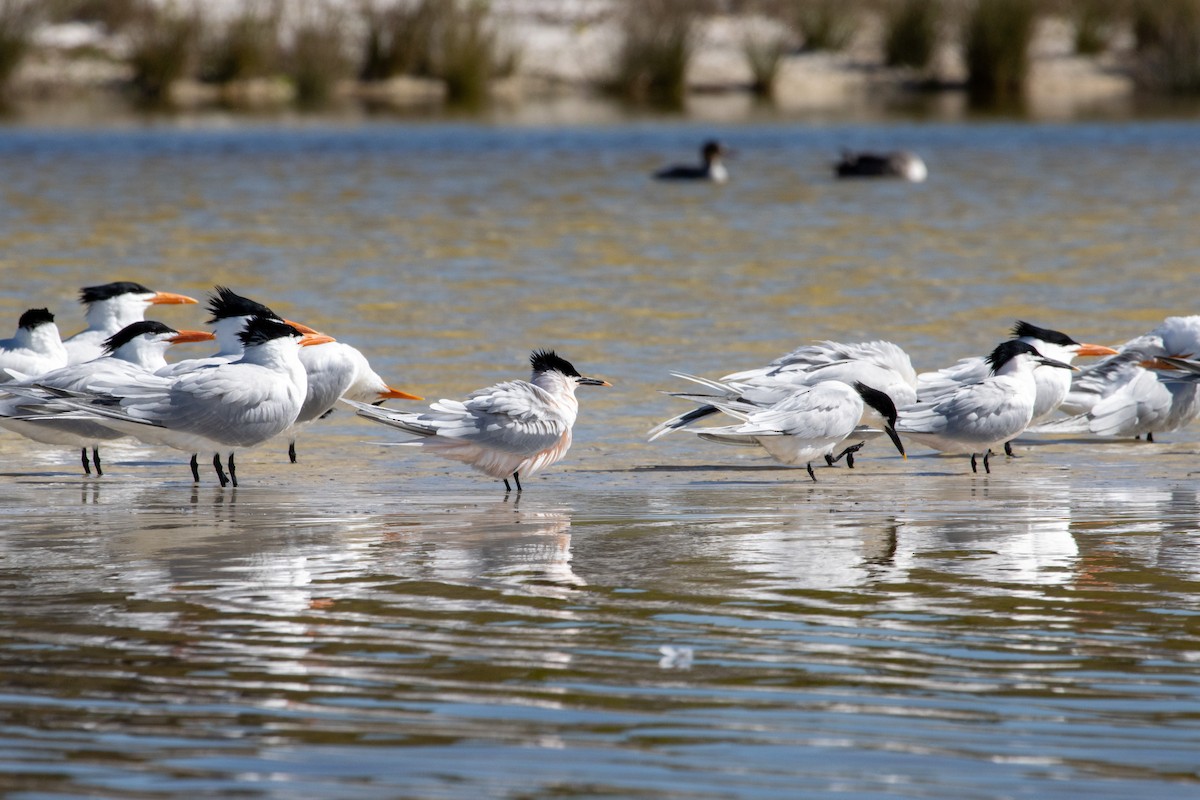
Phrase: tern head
pixel 35 317
pixel 152 331
pixel 1014 350
pixel 886 408
pixel 544 361
pixel 260 330
pixel 129 289
pixel 1070 347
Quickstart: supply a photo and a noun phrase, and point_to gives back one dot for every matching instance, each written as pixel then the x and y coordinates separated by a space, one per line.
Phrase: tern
pixel 1123 395
pixel 216 407
pixel 1052 384
pixel 711 168
pixel 881 365
pixel 110 308
pixel 810 422
pixel 135 350
pixel 36 348
pixel 338 371
pixel 503 430
pixel 896 164
pixel 976 417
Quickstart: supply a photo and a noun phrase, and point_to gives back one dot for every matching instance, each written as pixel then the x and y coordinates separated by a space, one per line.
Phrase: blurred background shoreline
pixel 563 62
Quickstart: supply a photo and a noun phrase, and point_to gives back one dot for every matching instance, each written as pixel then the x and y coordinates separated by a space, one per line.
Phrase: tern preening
pixel 881 365
pixel 809 423
pixel 36 347
pixel 975 417
pixel 710 168
pixel 214 408
pixel 130 353
pixel 505 430
pixel 896 164
pixel 1123 395
pixel 110 308
pixel 1052 384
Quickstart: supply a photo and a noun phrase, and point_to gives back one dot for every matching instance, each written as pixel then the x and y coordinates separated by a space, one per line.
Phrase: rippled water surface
pixel 657 620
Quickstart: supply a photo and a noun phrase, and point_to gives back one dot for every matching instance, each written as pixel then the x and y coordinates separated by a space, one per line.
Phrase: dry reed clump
pixel 317 57
pixel 823 24
pixel 995 41
pixel 245 47
pixel 657 45
pixel 1167 34
pixel 1095 24
pixel 17 21
pixel 162 49
pixel 911 29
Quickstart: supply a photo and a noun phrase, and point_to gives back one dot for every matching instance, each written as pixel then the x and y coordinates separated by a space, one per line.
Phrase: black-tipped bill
pixel 1050 362
pixel 591 382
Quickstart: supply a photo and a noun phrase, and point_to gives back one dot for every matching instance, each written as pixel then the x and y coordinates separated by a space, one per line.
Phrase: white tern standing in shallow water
pixel 505 430
pixel 978 416
pixel 810 422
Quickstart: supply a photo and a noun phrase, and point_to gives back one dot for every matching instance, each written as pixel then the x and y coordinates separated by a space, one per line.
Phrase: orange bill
pixel 396 394
pixel 181 337
pixel 309 339
pixel 170 298
pixel 1095 350
pixel 300 326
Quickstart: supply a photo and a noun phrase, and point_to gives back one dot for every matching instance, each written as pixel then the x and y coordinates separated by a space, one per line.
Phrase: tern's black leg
pixel 1150 437
pixel 195 465
pixel 221 476
pixel 517 478
pixel 232 471
pixel 973 467
pixel 986 456
pixel 87 465
pixel 847 454
pixel 1008 450
pixel 96 460
pixel 829 460
pixel 507 487
pixel 292 452
pixel 810 472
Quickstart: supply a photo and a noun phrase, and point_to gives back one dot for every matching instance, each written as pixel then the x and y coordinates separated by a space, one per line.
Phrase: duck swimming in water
pixel 712 168
pixel 896 164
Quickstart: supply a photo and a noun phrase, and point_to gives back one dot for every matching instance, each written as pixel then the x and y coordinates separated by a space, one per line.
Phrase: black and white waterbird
pixel 975 417
pixel 711 166
pixel 896 164
pixel 507 430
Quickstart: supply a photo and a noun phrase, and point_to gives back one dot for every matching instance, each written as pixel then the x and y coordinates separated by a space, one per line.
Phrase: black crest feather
pixel 1031 331
pixel 263 329
pixel 225 302
pixel 1007 351
pixel 546 360
pixel 134 330
pixel 34 317
pixel 93 294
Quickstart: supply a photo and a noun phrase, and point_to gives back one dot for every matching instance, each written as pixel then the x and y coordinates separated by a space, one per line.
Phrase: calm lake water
pixel 661 620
